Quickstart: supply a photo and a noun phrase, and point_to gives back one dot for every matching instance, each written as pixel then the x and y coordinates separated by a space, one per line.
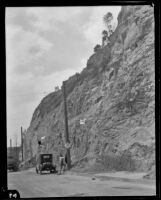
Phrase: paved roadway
pixel 29 184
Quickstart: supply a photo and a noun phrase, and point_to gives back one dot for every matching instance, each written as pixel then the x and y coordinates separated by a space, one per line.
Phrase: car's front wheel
pixel 37 170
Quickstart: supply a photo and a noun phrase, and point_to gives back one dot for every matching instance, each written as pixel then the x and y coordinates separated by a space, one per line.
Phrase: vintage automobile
pixel 45 163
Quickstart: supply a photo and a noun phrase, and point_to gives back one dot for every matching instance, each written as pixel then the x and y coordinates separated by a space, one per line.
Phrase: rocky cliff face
pixel 115 96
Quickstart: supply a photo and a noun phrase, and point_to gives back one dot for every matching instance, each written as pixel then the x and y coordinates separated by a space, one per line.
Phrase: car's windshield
pixel 46 158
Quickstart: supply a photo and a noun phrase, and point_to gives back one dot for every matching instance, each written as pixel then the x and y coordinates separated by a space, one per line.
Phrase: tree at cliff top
pixel 104 37
pixel 108 17
pixel 104 33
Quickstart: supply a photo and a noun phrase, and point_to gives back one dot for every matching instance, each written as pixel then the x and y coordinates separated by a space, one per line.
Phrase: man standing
pixel 62 163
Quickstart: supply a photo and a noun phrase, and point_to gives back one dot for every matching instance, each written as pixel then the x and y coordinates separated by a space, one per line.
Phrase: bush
pixel 97 48
pixel 56 88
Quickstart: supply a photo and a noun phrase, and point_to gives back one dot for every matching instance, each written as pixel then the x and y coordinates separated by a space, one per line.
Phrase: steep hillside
pixel 115 94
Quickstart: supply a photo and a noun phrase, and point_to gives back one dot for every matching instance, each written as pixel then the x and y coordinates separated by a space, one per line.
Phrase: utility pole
pixel 16 141
pixel 16 149
pixel 10 142
pixel 66 127
pixel 22 142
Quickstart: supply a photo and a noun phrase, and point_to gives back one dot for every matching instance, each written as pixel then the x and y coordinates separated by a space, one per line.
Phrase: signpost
pixel 67 145
pixel 82 121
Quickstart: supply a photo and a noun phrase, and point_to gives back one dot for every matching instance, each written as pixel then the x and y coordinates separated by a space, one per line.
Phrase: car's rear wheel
pixel 52 171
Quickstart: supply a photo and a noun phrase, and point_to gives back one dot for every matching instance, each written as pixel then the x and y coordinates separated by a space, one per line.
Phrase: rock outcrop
pixel 115 95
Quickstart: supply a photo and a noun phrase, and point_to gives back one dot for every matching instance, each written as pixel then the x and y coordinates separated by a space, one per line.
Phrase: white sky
pixel 44 46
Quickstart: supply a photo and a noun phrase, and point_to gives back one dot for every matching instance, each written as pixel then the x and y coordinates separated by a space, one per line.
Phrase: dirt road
pixel 30 184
